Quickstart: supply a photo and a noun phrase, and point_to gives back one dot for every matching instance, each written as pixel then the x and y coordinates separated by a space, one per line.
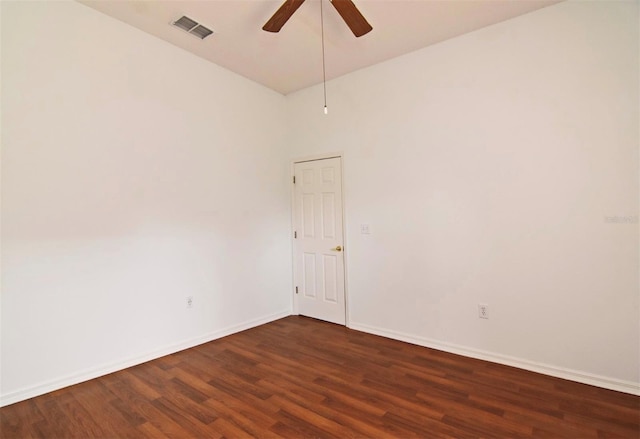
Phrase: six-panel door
pixel 318 256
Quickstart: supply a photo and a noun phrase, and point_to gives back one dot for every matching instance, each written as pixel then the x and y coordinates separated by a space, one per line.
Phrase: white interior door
pixel 318 240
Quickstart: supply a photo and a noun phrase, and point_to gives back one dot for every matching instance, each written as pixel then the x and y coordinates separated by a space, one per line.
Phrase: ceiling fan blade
pixel 352 16
pixel 282 15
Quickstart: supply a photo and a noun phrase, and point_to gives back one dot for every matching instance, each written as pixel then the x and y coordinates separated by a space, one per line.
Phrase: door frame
pixel 345 252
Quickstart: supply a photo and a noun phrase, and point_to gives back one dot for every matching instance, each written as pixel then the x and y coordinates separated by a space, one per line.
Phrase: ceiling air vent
pixel 193 27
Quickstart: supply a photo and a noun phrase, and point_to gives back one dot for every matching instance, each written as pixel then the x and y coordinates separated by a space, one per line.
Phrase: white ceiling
pixel 292 59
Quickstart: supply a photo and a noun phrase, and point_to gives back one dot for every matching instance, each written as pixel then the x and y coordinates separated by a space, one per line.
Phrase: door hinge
pixel 294 179
pixel 296 290
pixel 295 235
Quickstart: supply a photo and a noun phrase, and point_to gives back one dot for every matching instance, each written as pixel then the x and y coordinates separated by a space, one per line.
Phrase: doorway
pixel 318 245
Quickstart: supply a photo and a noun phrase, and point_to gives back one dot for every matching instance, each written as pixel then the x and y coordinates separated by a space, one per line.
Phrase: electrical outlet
pixel 189 301
pixel 365 229
pixel 483 310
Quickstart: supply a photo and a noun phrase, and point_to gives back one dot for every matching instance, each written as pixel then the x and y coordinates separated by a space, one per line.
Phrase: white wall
pixel 133 175
pixel 485 166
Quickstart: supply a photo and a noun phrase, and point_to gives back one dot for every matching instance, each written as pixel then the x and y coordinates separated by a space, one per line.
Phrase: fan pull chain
pixel 324 70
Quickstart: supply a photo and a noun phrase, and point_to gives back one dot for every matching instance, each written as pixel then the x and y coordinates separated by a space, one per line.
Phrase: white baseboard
pixel 559 372
pixel 86 375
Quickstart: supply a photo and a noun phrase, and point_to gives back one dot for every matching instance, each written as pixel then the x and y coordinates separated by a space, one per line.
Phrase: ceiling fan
pixel 350 14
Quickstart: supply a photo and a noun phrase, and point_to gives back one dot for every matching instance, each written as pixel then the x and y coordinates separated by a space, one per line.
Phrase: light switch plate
pixel 365 229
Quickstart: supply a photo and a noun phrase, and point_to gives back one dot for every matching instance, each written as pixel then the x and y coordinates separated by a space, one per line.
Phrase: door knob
pixel 338 249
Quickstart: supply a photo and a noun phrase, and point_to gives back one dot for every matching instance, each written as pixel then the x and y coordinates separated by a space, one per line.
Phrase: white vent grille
pixel 193 27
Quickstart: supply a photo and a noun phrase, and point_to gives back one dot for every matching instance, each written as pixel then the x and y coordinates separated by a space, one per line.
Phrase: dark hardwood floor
pixel 299 377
